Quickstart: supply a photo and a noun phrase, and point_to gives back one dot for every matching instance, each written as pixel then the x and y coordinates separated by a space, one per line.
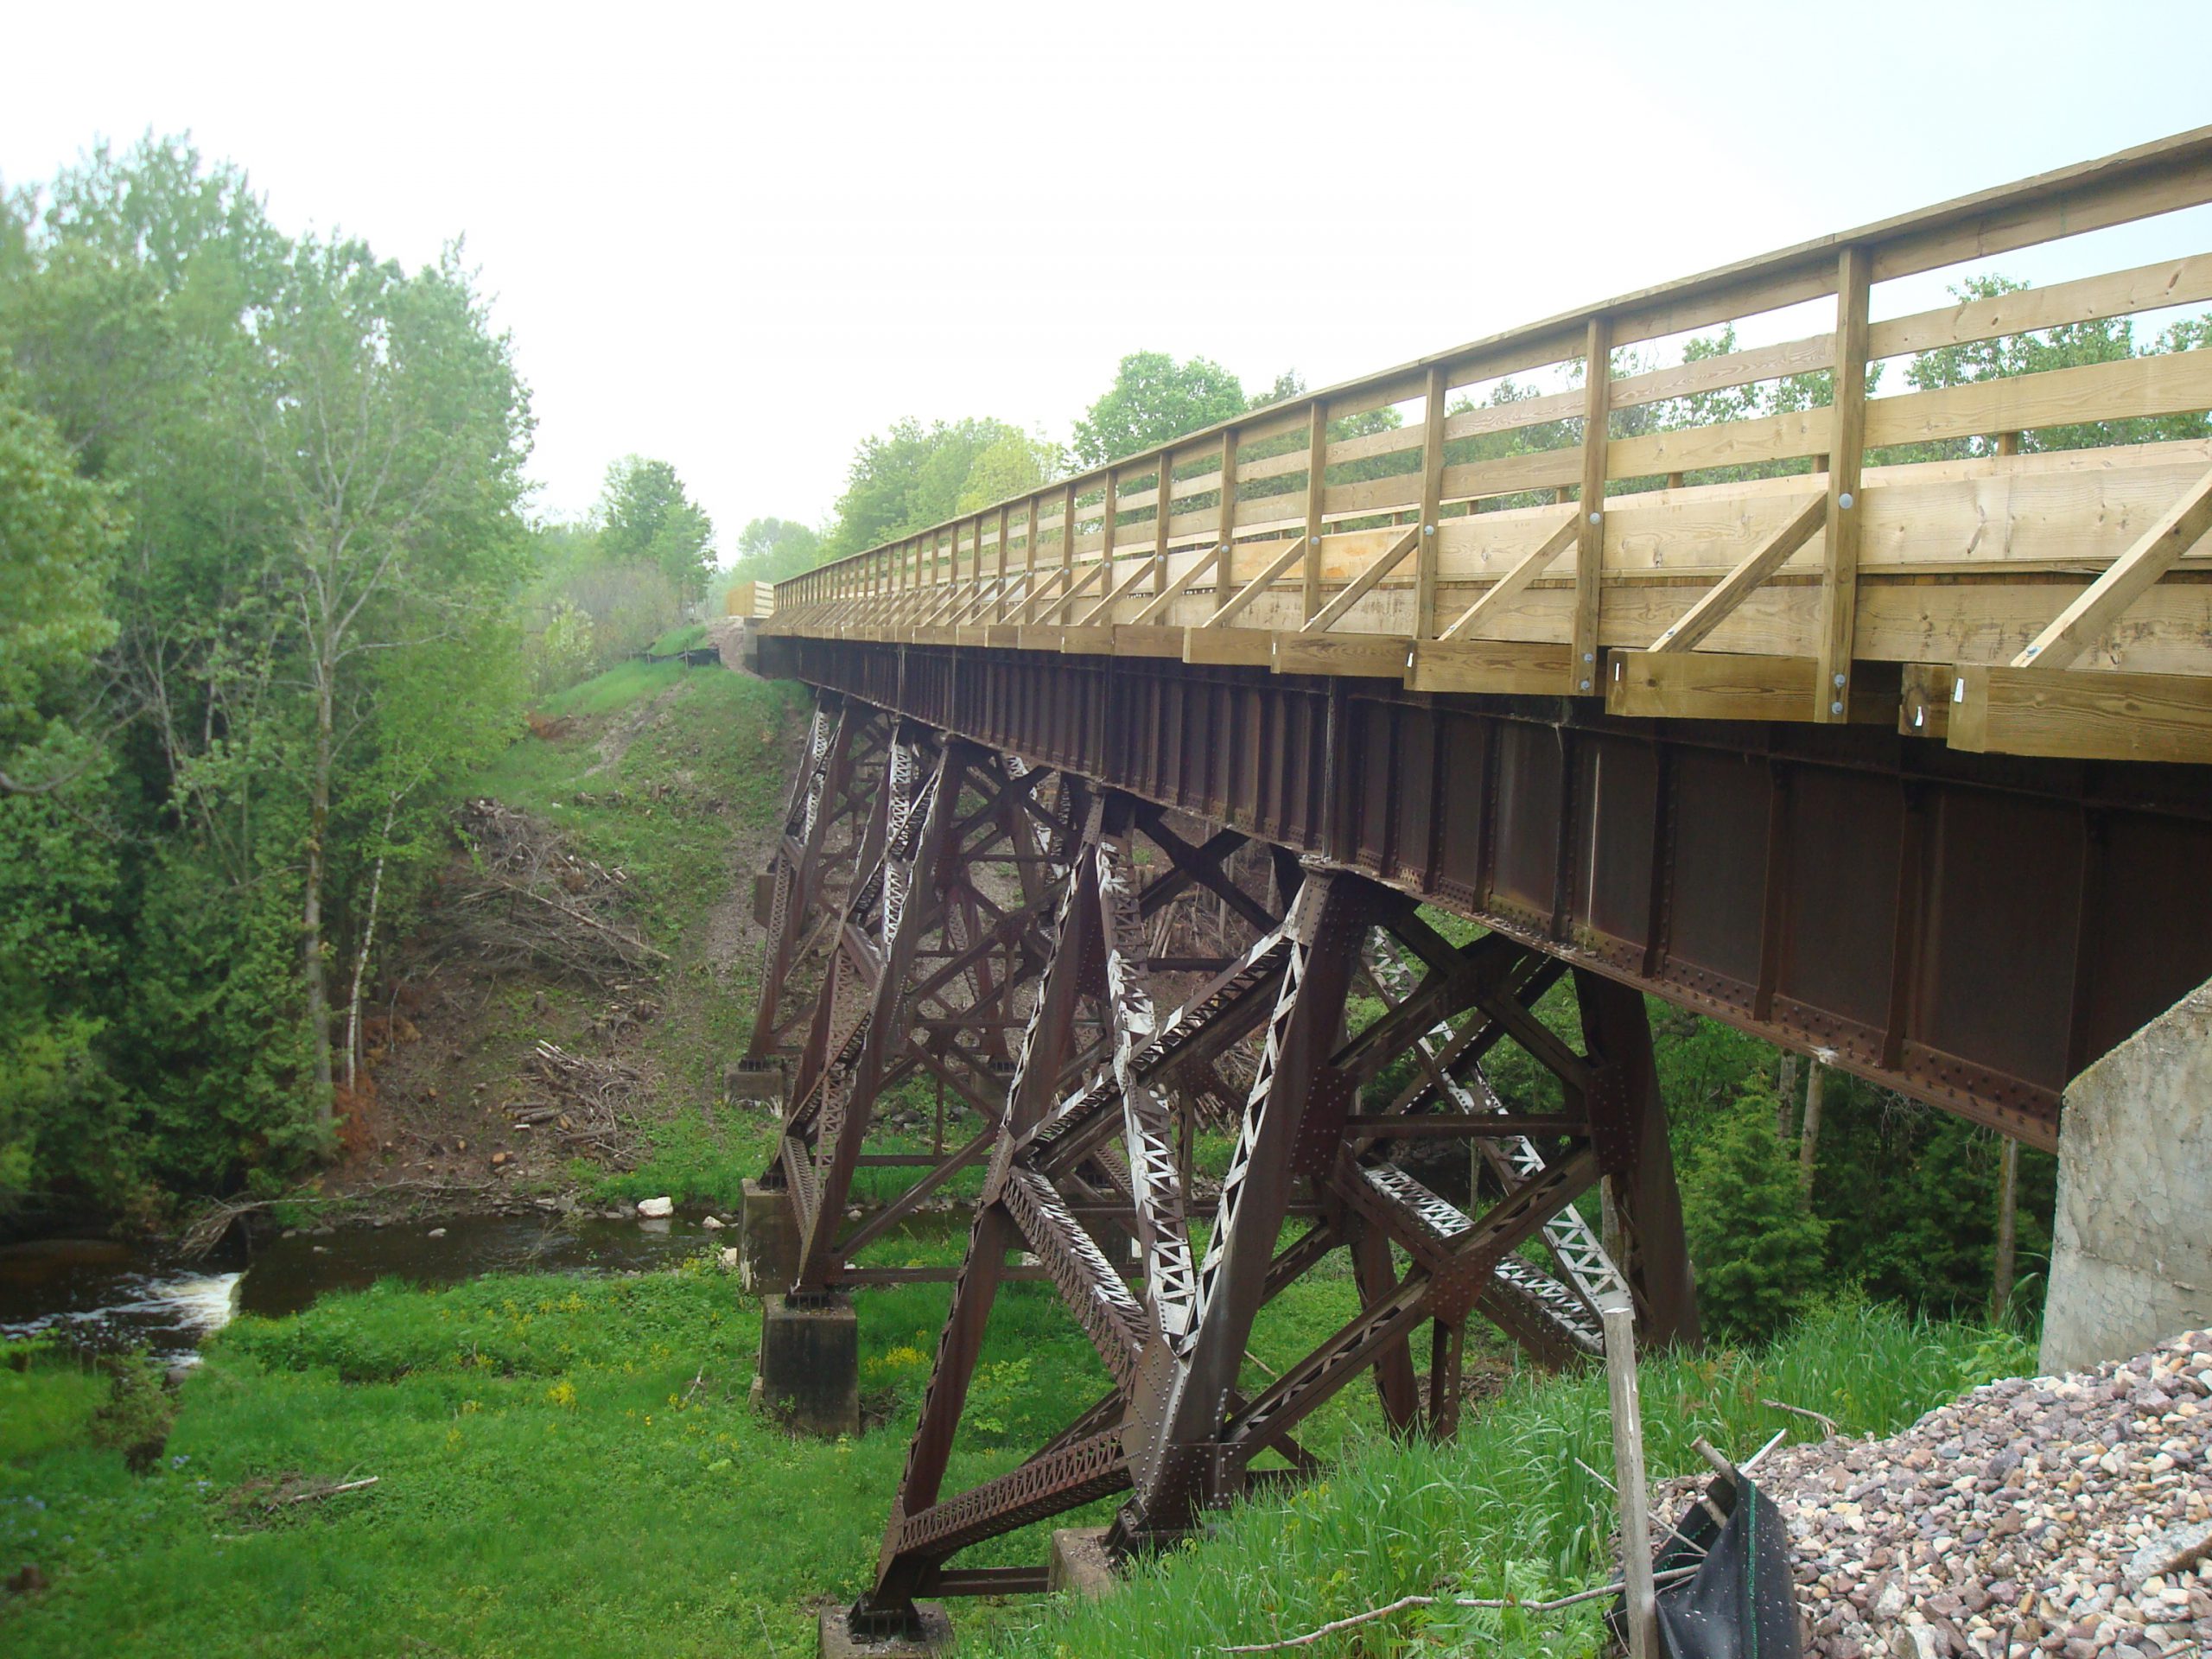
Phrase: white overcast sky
pixel 742 238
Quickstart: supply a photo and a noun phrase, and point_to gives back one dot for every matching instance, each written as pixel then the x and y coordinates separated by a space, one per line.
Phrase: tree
pixel 770 550
pixel 907 478
pixel 1758 1253
pixel 1014 465
pixel 1153 400
pixel 58 883
pixel 394 437
pixel 650 520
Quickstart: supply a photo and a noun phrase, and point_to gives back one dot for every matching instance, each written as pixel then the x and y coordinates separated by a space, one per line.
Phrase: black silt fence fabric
pixel 1743 1602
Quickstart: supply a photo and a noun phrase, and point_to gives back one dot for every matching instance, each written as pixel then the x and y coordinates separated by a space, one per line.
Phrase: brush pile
pixel 2059 1515
pixel 585 1101
pixel 522 901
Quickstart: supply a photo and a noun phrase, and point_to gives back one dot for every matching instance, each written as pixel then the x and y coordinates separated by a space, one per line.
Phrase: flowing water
pixel 96 1295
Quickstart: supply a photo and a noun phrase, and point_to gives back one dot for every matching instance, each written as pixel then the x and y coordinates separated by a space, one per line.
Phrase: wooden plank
pixel 1234 647
pixel 1035 637
pixel 1138 569
pixel 2167 383
pixel 1924 709
pixel 1001 636
pixel 1531 565
pixel 1432 500
pixel 1133 641
pixel 1710 685
pixel 1087 641
pixel 2079 715
pixel 1376 655
pixel 1840 555
pixel 998 600
pixel 1163 512
pixel 1710 612
pixel 1317 485
pixel 1806 356
pixel 2116 293
pixel 2076 627
pixel 1362 584
pixel 1508 417
pixel 1727 443
pixel 1590 547
pixel 1501 667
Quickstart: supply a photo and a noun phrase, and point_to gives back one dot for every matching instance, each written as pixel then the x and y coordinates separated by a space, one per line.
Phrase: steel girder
pixel 1179 1429
pixel 1970 930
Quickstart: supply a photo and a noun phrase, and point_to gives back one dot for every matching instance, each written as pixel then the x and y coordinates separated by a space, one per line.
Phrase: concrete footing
pixel 1079 1563
pixel 840 1640
pixel 767 1240
pixel 809 1369
pixel 2132 1253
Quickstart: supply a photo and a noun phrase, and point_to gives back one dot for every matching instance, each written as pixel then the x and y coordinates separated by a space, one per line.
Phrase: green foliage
pixel 908 478
pixel 1757 1248
pixel 234 681
pixel 1013 464
pixel 136 1417
pixel 772 550
pixel 649 520
pixel 1153 399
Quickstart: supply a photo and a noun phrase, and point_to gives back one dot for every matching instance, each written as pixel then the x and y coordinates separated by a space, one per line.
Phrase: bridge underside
pixel 1970 930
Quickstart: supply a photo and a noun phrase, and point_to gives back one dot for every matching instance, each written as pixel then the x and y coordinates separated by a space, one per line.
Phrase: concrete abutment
pixel 2132 1240
pixel 809 1369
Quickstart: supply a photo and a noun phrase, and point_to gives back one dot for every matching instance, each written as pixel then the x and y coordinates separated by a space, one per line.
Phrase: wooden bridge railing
pixel 1966 559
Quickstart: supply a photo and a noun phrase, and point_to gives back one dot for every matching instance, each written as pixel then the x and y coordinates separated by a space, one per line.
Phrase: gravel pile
pixel 2068 1515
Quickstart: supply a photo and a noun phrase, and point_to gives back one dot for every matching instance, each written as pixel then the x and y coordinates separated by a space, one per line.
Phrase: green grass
pixel 568 1466
pixel 549 1478
pixel 689 637
pixel 1504 1510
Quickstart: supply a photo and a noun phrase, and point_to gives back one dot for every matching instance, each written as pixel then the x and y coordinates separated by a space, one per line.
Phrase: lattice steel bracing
pixel 936 947
pixel 1182 1423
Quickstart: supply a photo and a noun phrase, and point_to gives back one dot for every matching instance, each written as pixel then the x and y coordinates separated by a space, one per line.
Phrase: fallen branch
pixel 326 1491
pixel 1825 1421
pixel 1404 1602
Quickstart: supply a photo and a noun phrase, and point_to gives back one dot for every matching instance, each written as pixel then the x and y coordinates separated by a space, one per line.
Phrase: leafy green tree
pixel 1153 399
pixel 906 480
pixel 650 520
pixel 1758 1252
pixel 59 876
pixel 1014 465
pixel 770 550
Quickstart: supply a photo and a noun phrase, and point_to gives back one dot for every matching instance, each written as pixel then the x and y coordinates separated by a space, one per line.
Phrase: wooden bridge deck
pixel 2012 565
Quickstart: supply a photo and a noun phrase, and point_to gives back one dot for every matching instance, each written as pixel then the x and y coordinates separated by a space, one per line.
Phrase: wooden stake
pixel 1628 1472
pixel 2008 1201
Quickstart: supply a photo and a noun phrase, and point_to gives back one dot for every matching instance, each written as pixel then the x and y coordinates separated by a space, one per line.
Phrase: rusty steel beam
pixel 1969 930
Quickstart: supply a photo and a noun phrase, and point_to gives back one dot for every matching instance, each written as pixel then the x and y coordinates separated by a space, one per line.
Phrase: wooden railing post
pixel 1317 468
pixel 1846 448
pixel 1005 520
pixel 1106 535
pixel 1590 547
pixel 1067 550
pixel 1159 521
pixel 1432 501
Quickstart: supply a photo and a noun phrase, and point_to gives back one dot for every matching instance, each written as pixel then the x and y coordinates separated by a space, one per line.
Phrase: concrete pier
pixel 2132 1243
pixel 810 1370
pixel 767 1240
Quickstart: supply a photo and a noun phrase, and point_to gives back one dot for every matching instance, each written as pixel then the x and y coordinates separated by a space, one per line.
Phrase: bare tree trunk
pixel 1788 1091
pixel 312 965
pixel 1808 1139
pixel 2008 1203
pixel 361 955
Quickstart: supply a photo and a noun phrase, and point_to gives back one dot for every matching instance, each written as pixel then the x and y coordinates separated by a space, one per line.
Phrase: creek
pixel 96 1295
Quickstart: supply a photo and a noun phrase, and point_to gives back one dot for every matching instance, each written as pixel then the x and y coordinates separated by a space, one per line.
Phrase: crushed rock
pixel 2053 1515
